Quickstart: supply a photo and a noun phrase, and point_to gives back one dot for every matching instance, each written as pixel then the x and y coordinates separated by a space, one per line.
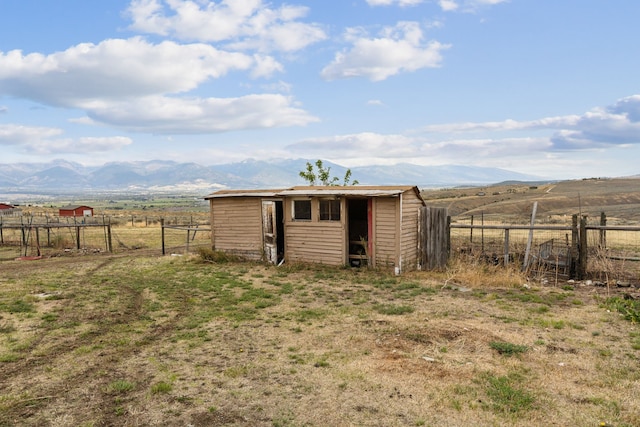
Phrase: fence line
pixel 574 255
pixel 97 234
pixel 188 228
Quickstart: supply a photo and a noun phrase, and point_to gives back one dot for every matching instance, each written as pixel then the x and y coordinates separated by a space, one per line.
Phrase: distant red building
pixel 7 209
pixel 77 211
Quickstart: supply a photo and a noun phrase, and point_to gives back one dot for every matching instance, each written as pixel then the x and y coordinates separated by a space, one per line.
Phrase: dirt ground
pixel 105 340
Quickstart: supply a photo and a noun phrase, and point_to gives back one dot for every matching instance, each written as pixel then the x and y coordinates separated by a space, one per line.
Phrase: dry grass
pixel 117 340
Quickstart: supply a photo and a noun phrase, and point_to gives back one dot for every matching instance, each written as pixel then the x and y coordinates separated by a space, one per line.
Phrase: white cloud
pixel 400 3
pixel 167 115
pixel 265 66
pixel 375 102
pixel 248 24
pixel 448 5
pixel 354 145
pixel 505 125
pixel 143 86
pixel 85 145
pixel 397 49
pixel 615 125
pixel 468 6
pixel 11 134
pixel 402 148
pixel 509 144
pixel 445 5
pixel 3 109
pixel 115 69
pixel 44 140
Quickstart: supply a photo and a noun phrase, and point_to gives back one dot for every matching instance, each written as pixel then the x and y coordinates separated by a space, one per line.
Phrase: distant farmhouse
pixel 335 225
pixel 76 211
pixel 9 210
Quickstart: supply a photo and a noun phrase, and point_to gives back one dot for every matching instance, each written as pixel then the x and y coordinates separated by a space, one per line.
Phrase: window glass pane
pixel 330 210
pixel 302 209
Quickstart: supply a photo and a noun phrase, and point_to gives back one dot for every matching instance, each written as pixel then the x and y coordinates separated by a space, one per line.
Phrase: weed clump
pixel 210 255
pixel 392 309
pixel 629 308
pixel 505 397
pixel 508 348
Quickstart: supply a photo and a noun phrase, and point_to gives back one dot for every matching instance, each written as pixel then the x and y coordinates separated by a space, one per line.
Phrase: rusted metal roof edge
pixel 329 191
pixel 342 192
pixel 243 193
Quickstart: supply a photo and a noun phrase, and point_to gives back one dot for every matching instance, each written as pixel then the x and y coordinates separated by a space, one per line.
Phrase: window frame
pixel 330 214
pixel 294 202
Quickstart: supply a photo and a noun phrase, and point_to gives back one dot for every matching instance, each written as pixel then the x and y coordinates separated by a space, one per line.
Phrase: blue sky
pixel 543 87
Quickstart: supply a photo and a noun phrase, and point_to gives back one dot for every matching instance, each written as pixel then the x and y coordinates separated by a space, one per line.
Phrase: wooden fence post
pixel 448 237
pixel 109 242
pixel 78 238
pixel 527 251
pixel 603 233
pixel 582 249
pixel 506 247
pixel 162 233
pixel 574 246
pixel 38 241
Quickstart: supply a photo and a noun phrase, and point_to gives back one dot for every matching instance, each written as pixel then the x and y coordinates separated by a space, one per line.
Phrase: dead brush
pixel 477 273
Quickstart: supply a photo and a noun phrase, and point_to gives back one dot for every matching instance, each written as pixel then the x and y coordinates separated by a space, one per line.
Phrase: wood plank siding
pixel 322 242
pixel 385 243
pixel 411 206
pixel 316 241
pixel 236 226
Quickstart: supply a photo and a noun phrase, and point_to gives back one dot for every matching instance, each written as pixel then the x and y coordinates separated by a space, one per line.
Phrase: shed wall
pixel 314 241
pixel 384 247
pixel 236 226
pixel 411 205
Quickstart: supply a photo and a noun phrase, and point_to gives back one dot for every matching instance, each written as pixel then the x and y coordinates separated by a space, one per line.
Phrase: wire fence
pixel 41 236
pixel 588 249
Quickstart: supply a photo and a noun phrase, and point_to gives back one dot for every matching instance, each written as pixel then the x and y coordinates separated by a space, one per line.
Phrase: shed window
pixel 330 210
pixel 302 209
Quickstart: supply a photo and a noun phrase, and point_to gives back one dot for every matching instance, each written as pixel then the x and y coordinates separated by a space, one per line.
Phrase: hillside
pixel 619 198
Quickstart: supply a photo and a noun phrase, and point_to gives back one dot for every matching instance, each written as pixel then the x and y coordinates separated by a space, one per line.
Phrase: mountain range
pixel 64 177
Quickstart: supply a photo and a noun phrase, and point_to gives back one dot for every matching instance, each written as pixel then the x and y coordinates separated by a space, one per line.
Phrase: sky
pixel 544 87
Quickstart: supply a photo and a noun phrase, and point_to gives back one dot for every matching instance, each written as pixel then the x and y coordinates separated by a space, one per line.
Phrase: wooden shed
pixel 77 211
pixel 335 225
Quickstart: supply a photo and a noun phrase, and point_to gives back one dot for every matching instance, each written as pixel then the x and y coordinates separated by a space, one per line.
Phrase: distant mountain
pixel 62 177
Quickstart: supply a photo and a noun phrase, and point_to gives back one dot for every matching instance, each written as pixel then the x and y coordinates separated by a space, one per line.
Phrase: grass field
pixel 124 339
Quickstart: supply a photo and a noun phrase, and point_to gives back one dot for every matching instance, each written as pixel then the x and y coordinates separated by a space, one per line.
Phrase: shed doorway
pixel 359 230
pixel 273 230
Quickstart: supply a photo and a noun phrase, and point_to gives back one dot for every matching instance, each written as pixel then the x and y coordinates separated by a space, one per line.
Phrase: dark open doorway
pixel 358 227
pixel 280 231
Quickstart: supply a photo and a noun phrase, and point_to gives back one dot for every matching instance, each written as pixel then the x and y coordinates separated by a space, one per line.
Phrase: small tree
pixel 321 175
